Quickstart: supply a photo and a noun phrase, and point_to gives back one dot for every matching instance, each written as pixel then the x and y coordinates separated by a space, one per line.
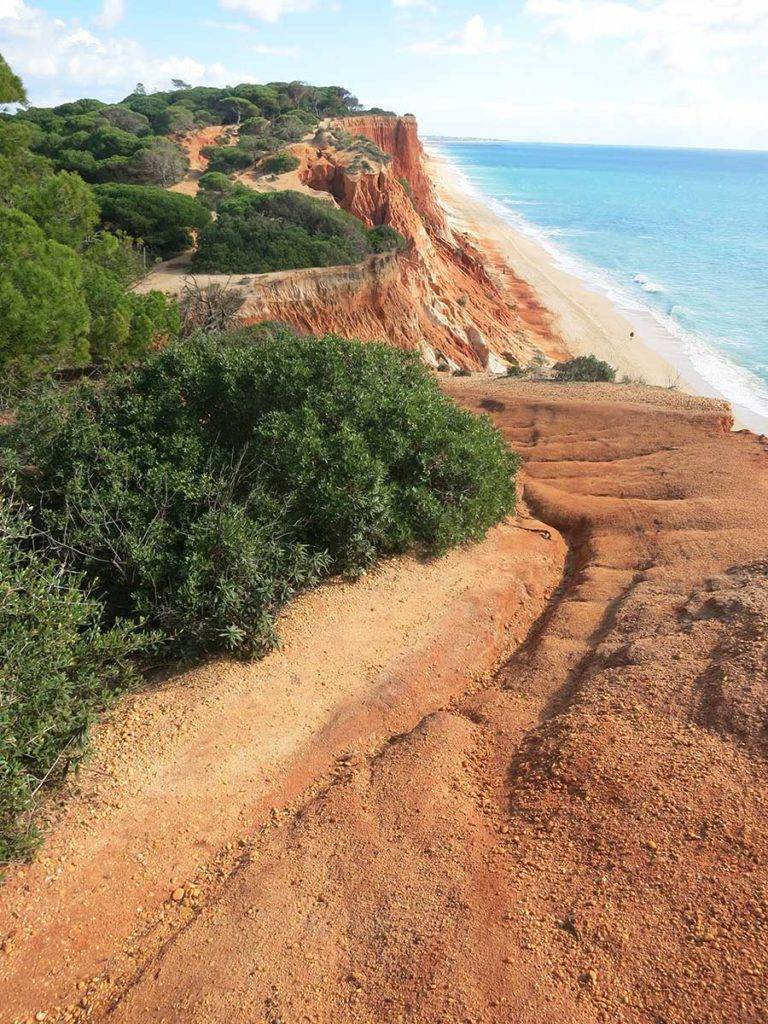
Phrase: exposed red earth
pixel 523 784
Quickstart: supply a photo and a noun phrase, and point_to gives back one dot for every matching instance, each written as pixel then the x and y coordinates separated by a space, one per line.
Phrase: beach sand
pixel 585 320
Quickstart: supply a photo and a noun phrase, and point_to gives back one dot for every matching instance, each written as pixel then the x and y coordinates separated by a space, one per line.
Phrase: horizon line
pixel 596 145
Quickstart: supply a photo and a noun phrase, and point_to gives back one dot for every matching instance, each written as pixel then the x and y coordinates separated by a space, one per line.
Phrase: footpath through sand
pixel 580 836
pixel 185 777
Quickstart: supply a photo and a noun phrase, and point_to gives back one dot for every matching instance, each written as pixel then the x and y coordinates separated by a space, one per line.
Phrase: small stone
pixel 41 1015
pixel 589 977
pixel 177 895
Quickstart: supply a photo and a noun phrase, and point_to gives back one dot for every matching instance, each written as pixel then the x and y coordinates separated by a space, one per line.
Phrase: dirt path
pixel 185 777
pixel 193 144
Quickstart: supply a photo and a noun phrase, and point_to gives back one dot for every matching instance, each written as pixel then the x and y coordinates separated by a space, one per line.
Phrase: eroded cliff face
pixel 440 296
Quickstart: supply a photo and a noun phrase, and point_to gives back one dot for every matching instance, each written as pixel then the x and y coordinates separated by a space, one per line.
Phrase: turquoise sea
pixel 677 238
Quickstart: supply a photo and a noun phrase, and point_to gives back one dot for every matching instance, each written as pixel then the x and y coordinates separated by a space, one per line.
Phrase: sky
pixel 626 72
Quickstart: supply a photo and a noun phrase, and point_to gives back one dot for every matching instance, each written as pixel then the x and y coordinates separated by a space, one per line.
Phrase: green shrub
pixel 214 187
pixel 58 666
pixel 256 233
pixel 62 205
pixel 203 489
pixel 226 159
pixel 584 368
pixel 118 253
pixel 44 318
pixel 385 239
pixel 279 163
pixel 163 220
pixel 125 325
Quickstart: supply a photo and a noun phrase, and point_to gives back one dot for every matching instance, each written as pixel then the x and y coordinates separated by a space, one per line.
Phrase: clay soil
pixel 522 784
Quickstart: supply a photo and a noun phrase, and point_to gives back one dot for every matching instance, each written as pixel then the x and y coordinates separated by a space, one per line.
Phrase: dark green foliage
pixel 584 368
pixel 180 119
pixel 254 126
pixel 63 297
pixel 62 205
pixel 260 232
pixel 203 489
pixel 162 219
pixel 18 165
pixel 43 315
pixel 11 88
pixel 58 666
pixel 235 109
pixel 279 163
pixel 214 187
pixel 226 159
pixel 125 142
pixel 385 239
pixel 123 325
pixel 160 162
pixel 128 120
pixel 118 253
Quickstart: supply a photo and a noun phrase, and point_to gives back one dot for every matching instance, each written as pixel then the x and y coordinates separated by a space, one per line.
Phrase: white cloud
pixel 76 61
pixel 410 4
pixel 474 38
pixel 690 37
pixel 276 51
pixel 268 10
pixel 112 12
pixel 11 9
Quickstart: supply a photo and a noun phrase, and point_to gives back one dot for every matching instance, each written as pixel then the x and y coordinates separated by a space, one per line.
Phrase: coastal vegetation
pixel 173 508
pixel 261 232
pixel 584 368
pixel 135 140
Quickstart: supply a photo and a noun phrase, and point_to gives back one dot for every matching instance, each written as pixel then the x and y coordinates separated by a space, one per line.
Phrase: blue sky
pixel 645 72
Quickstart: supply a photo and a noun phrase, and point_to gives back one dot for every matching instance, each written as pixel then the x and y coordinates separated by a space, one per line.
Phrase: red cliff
pixel 457 307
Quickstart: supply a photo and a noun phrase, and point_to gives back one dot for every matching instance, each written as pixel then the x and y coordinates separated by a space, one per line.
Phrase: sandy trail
pixel 193 144
pixel 185 775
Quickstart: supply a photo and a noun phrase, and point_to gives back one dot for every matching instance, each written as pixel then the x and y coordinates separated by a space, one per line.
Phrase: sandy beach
pixel 585 320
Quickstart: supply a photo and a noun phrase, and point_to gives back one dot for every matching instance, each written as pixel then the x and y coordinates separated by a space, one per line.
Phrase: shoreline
pixel 586 321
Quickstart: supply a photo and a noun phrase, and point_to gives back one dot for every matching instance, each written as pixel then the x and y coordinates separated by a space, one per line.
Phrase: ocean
pixel 678 239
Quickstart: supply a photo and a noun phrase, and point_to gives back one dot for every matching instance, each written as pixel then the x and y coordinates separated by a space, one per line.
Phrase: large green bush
pixel 279 163
pixel 584 368
pixel 44 317
pixel 203 489
pixel 58 666
pixel 260 232
pixel 163 220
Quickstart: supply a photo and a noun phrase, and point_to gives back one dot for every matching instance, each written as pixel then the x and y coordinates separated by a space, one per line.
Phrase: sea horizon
pixel 431 139
pixel 674 237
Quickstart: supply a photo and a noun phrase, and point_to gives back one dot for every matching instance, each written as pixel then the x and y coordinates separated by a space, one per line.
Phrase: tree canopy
pixel 11 87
